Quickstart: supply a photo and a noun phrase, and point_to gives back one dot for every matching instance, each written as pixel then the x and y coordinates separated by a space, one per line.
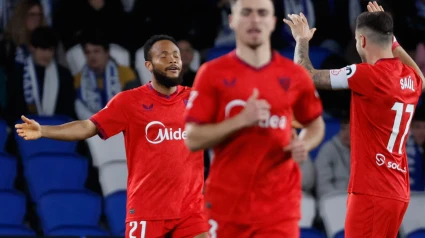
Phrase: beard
pixel 164 80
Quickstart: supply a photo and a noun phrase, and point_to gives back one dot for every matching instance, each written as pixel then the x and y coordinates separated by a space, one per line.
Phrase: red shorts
pixel 375 217
pixel 221 229
pixel 189 227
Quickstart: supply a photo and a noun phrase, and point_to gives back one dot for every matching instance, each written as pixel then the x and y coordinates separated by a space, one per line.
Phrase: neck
pixel 258 57
pixel 379 54
pixel 162 89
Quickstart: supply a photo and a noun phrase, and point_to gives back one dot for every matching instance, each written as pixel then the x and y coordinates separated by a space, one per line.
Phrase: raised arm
pixel 398 51
pixel 73 131
pixel 302 35
pixel 321 78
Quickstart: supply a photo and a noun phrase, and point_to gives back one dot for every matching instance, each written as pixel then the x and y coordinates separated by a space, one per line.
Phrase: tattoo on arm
pixel 321 78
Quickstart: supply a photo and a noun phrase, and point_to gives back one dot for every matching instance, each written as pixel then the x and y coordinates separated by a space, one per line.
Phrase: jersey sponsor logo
pixel 407 83
pixel 272 121
pixel 380 161
pixel 350 70
pixel 163 133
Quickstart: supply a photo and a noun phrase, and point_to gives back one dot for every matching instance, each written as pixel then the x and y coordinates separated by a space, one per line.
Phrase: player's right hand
pixel 255 109
pixel 29 130
pixel 374 7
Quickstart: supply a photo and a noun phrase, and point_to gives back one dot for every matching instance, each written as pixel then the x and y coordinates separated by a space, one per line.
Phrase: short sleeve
pixel 202 105
pixel 357 77
pixel 307 105
pixel 112 119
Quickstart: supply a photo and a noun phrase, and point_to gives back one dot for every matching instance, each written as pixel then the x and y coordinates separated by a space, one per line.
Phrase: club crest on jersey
pixel 285 82
pixel 146 107
pixel 229 83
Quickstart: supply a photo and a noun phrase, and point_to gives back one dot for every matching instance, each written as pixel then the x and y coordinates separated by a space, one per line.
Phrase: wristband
pixel 395 44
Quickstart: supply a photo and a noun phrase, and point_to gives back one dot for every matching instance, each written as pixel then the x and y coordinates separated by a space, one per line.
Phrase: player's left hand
pixel 297 148
pixel 299 27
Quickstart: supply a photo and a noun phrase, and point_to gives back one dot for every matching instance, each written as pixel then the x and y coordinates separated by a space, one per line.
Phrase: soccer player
pixel 242 106
pixel 165 179
pixel 385 91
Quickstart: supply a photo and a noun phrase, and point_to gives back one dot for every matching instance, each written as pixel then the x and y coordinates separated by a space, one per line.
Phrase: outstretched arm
pixel 321 78
pixel 73 131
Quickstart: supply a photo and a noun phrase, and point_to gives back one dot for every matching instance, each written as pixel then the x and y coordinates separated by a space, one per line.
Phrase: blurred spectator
pixel 420 56
pixel 76 16
pixel 2 90
pixel 27 16
pixel 333 162
pixel 194 20
pixel 186 52
pixel 415 151
pixel 40 86
pixel 101 78
pixel 308 176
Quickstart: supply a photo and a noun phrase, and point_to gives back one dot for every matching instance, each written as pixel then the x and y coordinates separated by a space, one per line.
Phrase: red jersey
pixel 165 179
pixel 251 179
pixel 384 97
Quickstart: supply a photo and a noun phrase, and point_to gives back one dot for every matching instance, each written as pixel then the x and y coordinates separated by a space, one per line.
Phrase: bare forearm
pixel 407 60
pixel 321 78
pixel 73 131
pixel 313 133
pixel 208 135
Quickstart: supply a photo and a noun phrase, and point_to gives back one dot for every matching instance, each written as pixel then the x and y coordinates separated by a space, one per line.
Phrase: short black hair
pixel 379 23
pixel 151 41
pixel 45 38
pixel 94 37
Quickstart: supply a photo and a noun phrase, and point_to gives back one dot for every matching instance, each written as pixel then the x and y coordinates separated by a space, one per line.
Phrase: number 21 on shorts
pixel 134 225
pixel 400 109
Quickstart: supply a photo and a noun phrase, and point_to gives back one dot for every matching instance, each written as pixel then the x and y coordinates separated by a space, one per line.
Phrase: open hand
pixel 255 109
pixel 29 130
pixel 297 148
pixel 374 7
pixel 299 27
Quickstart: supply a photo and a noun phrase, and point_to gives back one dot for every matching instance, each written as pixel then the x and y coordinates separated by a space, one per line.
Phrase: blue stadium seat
pixel 7 171
pixel 311 233
pixel 340 234
pixel 12 230
pixel 12 207
pixel 78 231
pixel 317 55
pixel 45 172
pixel 12 213
pixel 417 234
pixel 217 52
pixel 115 212
pixel 29 148
pixel 70 211
pixel 332 127
pixel 3 134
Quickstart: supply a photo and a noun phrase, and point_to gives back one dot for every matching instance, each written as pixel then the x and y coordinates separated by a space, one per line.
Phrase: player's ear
pixel 362 41
pixel 231 23
pixel 274 23
pixel 149 66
